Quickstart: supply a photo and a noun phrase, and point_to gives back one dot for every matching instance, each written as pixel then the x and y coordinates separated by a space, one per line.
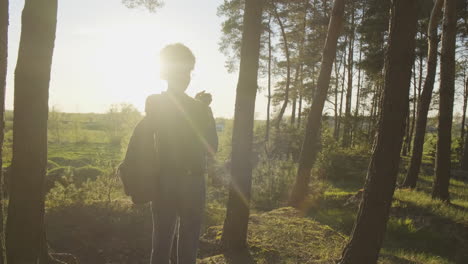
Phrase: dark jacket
pixel 185 132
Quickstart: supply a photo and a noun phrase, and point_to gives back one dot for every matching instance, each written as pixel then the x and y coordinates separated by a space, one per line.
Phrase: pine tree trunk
pixel 358 94
pixel 301 90
pixel 310 144
pixel 288 69
pixel 337 85
pixel 349 91
pixel 464 160
pixel 237 216
pixel 25 223
pixel 340 112
pixel 267 134
pixel 425 98
pixel 440 189
pixel 369 229
pixel 294 96
pixel 4 17
pixel 465 103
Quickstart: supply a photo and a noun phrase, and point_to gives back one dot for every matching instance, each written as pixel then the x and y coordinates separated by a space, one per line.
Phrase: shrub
pixel 61 175
pixel 272 181
pixel 82 174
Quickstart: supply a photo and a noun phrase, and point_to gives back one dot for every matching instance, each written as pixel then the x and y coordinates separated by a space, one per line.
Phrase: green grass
pixel 96 222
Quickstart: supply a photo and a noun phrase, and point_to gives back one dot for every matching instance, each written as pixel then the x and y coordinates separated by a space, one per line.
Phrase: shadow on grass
pixel 239 257
pixel 419 229
pixel 396 259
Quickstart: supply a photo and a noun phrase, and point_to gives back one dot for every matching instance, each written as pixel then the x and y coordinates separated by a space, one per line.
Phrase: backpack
pixel 139 171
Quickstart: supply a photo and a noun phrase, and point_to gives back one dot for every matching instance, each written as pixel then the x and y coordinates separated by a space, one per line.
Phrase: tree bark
pixel 25 223
pixel 237 216
pixel 309 146
pixel 288 68
pixel 425 98
pixel 340 111
pixel 369 228
pixel 464 161
pixel 267 134
pixel 358 94
pixel 440 189
pixel 4 18
pixel 337 85
pixel 465 103
pixel 301 90
pixel 349 91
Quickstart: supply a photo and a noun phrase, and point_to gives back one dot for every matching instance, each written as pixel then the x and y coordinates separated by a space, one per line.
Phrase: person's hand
pixel 204 97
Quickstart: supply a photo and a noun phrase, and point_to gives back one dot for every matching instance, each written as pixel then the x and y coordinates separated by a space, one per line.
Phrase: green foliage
pixel 272 181
pixel 83 174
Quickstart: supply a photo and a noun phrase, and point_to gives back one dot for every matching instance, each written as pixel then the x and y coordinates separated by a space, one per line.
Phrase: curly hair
pixel 177 57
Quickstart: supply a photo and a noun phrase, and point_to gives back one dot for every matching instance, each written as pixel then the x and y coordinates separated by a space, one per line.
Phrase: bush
pixel 61 175
pixel 81 175
pixel 272 181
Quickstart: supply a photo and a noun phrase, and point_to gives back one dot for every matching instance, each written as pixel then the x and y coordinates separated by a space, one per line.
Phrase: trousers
pixel 179 204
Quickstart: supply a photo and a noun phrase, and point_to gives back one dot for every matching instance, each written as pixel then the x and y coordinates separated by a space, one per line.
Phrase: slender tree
pixel 464 160
pixel 288 66
pixel 267 134
pixel 25 224
pixel 440 189
pixel 3 74
pixel 369 228
pixel 349 91
pixel 425 98
pixel 237 216
pixel 309 146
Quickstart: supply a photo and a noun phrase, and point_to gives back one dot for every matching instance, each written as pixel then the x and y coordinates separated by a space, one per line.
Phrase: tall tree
pixel 349 91
pixel 464 159
pixel 267 134
pixel 3 74
pixel 237 216
pixel 440 189
pixel 25 223
pixel 369 228
pixel 425 98
pixel 309 146
pixel 288 65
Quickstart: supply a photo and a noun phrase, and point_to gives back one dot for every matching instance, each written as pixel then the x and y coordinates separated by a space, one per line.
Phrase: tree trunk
pixel 465 103
pixel 267 134
pixel 349 91
pixel 237 216
pixel 301 90
pixel 294 96
pixel 369 228
pixel 440 189
pixel 3 74
pixel 25 223
pixel 340 112
pixel 358 94
pixel 299 64
pixel 337 85
pixel 288 69
pixel 464 161
pixel 425 98
pixel 309 147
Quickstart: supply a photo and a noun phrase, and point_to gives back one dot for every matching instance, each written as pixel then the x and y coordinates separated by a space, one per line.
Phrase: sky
pixel 108 54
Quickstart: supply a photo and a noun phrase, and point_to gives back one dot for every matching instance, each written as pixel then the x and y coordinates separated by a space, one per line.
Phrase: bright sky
pixel 106 53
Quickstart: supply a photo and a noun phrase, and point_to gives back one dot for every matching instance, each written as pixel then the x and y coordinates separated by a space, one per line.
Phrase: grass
pixel 97 223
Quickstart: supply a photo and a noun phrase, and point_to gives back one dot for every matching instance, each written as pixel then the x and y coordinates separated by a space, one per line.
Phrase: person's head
pixel 177 63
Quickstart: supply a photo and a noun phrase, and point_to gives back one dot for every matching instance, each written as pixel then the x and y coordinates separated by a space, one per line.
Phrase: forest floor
pixel 88 215
pixel 113 231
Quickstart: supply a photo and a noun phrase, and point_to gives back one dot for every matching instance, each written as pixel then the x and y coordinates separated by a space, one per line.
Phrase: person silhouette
pixel 185 134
